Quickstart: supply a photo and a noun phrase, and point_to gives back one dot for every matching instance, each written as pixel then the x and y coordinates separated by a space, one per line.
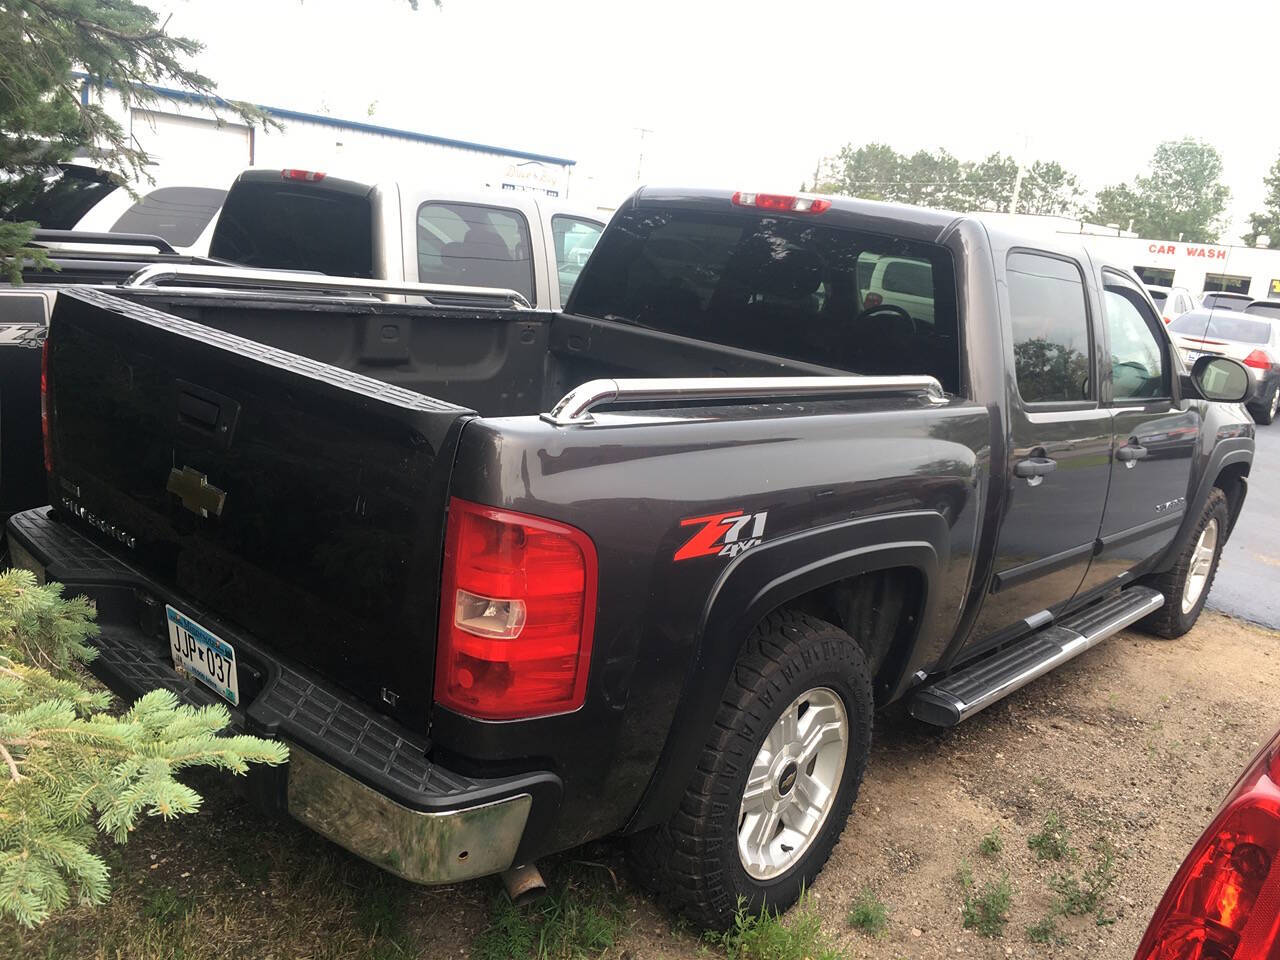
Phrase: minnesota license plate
pixel 207 657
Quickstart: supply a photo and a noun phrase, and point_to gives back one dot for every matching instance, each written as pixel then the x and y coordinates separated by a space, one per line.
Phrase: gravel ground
pixel 1133 745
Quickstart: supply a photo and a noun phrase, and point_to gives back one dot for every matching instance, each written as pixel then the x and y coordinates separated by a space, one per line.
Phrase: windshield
pixel 1222 326
pixel 788 287
pixel 1159 296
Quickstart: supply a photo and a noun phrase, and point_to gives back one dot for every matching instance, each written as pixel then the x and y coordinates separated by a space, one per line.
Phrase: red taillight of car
pixel 1168 320
pixel 1259 360
pixel 517 614
pixel 783 203
pixel 872 300
pixel 44 405
pixel 1224 903
pixel 308 176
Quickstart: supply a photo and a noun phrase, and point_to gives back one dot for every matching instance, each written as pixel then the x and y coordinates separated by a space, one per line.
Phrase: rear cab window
pixel 788 287
pixel 176 214
pixel 326 226
pixel 64 198
pixel 474 245
pixel 1050 320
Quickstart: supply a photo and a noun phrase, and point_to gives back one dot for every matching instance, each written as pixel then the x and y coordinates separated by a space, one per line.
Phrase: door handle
pixel 1130 452
pixel 1034 467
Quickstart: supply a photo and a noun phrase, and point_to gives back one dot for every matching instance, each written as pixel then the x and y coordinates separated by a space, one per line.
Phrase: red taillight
pixel 872 300
pixel 44 405
pixel 517 611
pixel 781 202
pixel 1259 360
pixel 310 176
pixel 1224 903
pixel 1168 320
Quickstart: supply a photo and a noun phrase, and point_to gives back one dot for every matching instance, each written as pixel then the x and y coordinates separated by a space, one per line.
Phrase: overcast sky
pixel 752 95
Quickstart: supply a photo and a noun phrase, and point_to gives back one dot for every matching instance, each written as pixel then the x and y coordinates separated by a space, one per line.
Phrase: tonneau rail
pixel 575 406
pixel 44 235
pixel 151 276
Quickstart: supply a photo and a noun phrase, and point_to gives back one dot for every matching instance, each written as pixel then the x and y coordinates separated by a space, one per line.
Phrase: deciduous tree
pixel 1266 222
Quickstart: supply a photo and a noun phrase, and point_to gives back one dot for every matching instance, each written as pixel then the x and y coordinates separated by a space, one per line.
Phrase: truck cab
pixel 403 231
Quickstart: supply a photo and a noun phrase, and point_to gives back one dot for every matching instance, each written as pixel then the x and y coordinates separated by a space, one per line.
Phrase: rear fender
pixel 761 580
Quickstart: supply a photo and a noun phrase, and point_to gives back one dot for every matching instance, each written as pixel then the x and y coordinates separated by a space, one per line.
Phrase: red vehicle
pixel 1224 902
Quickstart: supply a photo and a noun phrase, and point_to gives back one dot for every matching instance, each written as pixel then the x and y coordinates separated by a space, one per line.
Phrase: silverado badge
pixel 195 491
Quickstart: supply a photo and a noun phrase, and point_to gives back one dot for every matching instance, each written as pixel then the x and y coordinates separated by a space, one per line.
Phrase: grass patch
pixel 991 844
pixel 1046 931
pixel 164 907
pixel 868 914
pixel 1086 893
pixel 573 920
pixel 1053 840
pixel 986 909
pixel 766 936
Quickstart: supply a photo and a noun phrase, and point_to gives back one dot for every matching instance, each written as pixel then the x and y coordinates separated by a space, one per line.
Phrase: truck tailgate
pixel 301 503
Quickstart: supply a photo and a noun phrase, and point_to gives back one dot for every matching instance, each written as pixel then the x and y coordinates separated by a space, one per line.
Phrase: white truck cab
pixel 404 232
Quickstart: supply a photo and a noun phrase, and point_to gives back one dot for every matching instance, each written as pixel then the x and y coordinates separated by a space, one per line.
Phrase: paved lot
pixel 1248 581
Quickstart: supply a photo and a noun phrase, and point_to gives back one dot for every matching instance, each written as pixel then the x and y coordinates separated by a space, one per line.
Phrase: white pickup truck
pixel 402 232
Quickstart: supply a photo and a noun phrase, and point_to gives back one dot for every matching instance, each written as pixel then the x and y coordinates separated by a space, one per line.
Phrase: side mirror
pixel 1221 379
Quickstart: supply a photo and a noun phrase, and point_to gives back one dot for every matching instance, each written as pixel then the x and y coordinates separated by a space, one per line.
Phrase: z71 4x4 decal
pixel 722 534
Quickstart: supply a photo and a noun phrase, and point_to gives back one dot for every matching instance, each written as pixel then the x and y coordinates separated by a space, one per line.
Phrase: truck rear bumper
pixel 354 776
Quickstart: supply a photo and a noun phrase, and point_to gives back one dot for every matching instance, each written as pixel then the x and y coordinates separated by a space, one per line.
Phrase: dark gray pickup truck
pixel 509 580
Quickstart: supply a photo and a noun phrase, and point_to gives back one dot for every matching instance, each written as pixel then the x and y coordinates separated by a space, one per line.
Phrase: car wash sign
pixel 1187 250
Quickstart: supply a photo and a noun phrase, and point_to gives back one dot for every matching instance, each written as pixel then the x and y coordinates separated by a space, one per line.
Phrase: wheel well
pixel 1231 482
pixel 880 609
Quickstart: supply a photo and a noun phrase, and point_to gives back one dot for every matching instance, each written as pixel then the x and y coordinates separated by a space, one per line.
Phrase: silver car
pixel 1251 338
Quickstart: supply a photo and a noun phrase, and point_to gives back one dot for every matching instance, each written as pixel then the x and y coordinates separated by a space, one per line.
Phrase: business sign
pixel 533 176
pixel 1189 250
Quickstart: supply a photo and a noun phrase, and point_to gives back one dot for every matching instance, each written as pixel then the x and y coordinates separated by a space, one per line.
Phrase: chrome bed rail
pixel 576 405
pixel 246 277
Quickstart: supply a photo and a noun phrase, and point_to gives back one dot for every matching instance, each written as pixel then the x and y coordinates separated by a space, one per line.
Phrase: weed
pixel 868 914
pixel 765 936
pixel 987 910
pixel 573 920
pixel 380 917
pixel 1045 931
pixel 991 844
pixel 165 907
pixel 1051 843
pixel 1085 894
pixel 964 876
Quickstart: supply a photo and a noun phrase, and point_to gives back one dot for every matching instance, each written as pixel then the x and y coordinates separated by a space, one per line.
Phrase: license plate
pixel 207 657
pixel 1194 355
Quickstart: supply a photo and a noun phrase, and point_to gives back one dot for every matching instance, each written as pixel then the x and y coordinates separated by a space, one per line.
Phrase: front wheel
pixel 1186 585
pixel 775 782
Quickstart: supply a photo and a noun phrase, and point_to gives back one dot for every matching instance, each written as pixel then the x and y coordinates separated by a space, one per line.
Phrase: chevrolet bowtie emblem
pixel 194 489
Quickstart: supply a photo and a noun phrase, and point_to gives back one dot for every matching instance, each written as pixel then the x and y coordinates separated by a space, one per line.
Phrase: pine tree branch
pixel 11 764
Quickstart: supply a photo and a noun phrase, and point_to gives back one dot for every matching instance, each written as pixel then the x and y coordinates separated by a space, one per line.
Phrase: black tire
pixel 1170 620
pixel 692 862
pixel 1265 412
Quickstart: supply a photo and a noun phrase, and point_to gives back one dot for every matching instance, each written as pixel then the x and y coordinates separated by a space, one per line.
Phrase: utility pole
pixel 640 162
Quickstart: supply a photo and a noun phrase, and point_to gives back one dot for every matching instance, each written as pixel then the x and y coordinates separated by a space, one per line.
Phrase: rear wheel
pixel 1186 585
pixel 776 780
pixel 1266 412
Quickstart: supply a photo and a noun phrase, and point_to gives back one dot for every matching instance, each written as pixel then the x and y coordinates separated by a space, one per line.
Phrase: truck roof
pixel 915 223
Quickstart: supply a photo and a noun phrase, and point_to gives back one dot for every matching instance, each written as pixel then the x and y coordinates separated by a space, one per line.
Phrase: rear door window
pixel 575 238
pixel 474 245
pixel 784 286
pixel 176 214
pixel 1051 350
